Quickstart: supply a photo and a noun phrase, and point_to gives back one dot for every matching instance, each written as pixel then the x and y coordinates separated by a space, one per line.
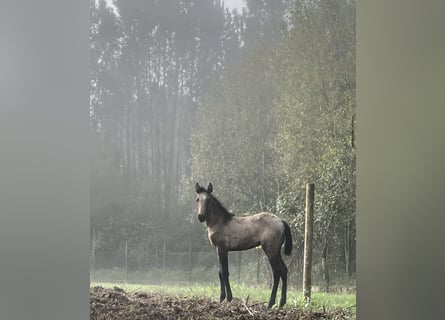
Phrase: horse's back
pixel 250 231
pixel 267 221
pixel 271 224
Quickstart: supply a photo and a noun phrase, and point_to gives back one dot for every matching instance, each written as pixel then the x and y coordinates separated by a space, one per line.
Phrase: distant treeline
pixel 258 102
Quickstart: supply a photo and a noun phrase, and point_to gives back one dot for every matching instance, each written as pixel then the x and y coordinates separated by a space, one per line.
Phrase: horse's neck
pixel 216 217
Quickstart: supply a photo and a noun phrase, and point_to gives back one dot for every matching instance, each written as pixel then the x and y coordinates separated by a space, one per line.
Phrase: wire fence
pixel 200 265
pixel 167 266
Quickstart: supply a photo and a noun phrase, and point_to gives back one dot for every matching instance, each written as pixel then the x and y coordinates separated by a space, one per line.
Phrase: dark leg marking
pixel 274 263
pixel 283 282
pixel 224 272
pixel 223 287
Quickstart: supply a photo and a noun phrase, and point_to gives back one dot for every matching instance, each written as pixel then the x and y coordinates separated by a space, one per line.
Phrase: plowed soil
pixel 117 304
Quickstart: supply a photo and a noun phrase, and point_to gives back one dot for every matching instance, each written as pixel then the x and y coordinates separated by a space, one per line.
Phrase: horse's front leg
pixel 223 257
pixel 223 287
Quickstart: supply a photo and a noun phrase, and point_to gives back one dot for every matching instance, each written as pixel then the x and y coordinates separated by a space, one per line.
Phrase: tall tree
pixel 264 20
pixel 152 62
pixel 316 113
pixel 232 141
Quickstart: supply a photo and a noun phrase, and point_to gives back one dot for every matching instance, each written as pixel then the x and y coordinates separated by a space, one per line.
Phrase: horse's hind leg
pixel 276 278
pixel 273 295
pixel 283 272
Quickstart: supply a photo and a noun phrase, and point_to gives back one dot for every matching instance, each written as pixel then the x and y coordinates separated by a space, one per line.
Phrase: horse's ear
pixel 197 187
pixel 210 188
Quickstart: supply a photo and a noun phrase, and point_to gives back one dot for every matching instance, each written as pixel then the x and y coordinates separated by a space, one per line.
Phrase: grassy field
pixel 319 301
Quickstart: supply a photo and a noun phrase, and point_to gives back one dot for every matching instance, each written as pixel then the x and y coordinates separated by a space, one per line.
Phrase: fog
pixel 187 91
pixel 235 4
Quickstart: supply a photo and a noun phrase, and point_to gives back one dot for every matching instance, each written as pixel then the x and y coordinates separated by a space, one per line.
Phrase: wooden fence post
pixel 163 266
pixel 258 266
pixel 308 232
pixel 126 263
pixel 239 266
pixel 93 249
pixel 190 259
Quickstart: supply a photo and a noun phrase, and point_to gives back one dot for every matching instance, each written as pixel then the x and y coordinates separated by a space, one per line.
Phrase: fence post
pixel 163 266
pixel 126 263
pixel 308 235
pixel 190 259
pixel 239 266
pixel 93 249
pixel 258 266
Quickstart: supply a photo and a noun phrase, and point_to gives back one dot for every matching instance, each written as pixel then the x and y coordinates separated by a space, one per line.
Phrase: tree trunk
pixel 126 261
pixel 258 266
pixel 347 247
pixel 93 253
pixel 324 264
pixel 308 232
pixel 190 258
pixel 239 266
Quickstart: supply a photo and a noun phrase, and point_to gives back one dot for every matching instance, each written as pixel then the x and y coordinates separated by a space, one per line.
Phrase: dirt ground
pixel 117 304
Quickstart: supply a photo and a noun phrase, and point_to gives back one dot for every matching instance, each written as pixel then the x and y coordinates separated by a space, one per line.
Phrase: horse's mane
pixel 227 215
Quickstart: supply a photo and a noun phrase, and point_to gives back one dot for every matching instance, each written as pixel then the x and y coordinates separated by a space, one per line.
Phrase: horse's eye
pixel 197 199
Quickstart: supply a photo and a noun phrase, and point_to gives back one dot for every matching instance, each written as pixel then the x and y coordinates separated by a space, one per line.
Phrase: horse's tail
pixel 288 239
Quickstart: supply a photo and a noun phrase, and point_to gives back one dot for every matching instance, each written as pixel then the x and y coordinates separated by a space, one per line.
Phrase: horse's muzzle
pixel 201 218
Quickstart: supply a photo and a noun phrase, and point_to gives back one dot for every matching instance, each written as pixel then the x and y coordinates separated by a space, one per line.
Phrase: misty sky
pixel 234 4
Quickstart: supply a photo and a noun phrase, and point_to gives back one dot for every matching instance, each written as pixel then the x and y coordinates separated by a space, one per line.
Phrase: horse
pixel 228 232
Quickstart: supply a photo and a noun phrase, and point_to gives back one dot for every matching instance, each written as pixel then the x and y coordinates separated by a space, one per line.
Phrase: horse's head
pixel 203 200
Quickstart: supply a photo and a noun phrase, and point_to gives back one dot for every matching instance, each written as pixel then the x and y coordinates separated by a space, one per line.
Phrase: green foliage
pixel 151 64
pixel 283 118
pixel 259 104
pixel 232 139
pixel 316 117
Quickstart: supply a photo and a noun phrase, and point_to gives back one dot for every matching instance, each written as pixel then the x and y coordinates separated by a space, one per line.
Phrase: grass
pixel 319 300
